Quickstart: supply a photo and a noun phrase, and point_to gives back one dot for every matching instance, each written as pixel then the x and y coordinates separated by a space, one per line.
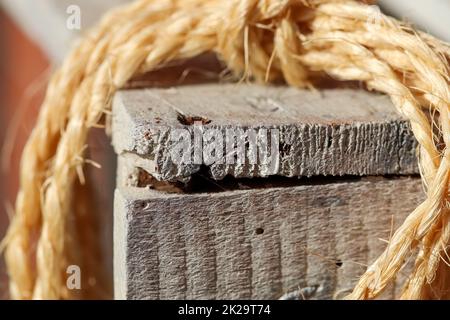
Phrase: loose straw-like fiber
pixel 264 40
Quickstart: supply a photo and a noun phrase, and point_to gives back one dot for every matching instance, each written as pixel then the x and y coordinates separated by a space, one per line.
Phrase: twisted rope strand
pixel 263 40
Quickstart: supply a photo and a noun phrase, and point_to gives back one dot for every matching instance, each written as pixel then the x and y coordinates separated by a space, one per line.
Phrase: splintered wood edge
pixel 334 132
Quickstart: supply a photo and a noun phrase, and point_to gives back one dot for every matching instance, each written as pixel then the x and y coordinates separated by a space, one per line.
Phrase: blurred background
pixel 35 35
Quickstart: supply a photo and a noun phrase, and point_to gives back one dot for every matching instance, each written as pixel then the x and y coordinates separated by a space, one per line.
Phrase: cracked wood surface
pixel 311 236
pixel 334 132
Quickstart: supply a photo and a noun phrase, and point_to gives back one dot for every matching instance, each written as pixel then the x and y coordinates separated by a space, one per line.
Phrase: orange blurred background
pixel 23 70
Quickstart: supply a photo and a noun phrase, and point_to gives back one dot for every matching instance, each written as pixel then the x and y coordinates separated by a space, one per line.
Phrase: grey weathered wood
pixel 311 237
pixel 334 132
pixel 254 243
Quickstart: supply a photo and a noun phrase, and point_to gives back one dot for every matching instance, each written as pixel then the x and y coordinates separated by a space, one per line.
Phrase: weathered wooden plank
pixel 334 132
pixel 259 243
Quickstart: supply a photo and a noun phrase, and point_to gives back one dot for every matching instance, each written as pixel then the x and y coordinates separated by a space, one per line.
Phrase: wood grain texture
pixel 334 132
pixel 255 244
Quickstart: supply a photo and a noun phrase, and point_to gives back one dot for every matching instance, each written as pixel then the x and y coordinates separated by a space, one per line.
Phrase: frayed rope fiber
pixel 262 40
